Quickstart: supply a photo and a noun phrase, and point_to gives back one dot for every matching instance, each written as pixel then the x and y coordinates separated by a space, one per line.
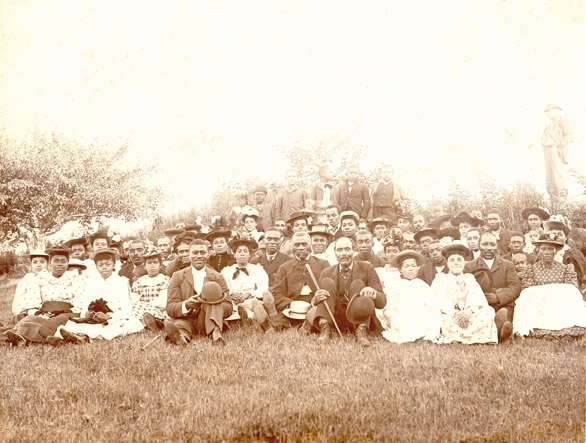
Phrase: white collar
pixel 196 272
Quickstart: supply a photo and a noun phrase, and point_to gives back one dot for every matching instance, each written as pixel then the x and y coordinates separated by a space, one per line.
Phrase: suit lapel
pixel 189 277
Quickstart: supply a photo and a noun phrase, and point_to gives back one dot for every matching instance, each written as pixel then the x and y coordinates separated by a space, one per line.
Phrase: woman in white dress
pixel 106 306
pixel 411 312
pixel 466 316
pixel 26 295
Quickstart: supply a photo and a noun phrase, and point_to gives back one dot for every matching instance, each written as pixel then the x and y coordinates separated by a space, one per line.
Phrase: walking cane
pixel 150 342
pixel 327 306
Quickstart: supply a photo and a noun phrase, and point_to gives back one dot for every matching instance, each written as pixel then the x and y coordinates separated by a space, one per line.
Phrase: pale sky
pixel 211 89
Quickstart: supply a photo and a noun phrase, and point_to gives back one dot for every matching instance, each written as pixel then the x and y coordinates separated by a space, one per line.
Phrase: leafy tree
pixel 52 180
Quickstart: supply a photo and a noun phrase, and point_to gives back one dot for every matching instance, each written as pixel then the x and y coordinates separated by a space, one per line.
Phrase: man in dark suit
pixel 494 221
pixel 292 282
pixel 506 285
pixel 272 258
pixel 196 299
pixel 352 195
pixel 340 284
pixel 435 263
pixel 333 216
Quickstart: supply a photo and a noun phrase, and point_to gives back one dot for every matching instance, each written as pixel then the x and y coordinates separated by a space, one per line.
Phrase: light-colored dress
pixel 551 299
pixel 149 295
pixel 115 290
pixel 255 283
pixel 27 298
pixel 456 293
pixel 413 311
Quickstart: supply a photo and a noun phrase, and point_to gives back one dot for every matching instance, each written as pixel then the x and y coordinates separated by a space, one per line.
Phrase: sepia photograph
pixel 292 221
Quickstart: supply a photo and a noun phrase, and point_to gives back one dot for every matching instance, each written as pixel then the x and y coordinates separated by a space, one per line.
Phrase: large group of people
pixel 345 258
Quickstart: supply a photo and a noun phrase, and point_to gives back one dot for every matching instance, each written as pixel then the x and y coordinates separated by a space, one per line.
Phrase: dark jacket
pixel 505 282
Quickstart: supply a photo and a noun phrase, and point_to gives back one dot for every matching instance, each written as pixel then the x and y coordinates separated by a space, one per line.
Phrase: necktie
pixel 238 271
pixel 345 272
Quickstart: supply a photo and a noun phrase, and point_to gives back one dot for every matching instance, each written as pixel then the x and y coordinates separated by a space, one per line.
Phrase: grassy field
pixel 280 387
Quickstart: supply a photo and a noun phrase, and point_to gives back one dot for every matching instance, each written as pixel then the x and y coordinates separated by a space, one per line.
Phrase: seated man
pixel 434 265
pixel 292 282
pixel 245 281
pixel 197 300
pixel 424 237
pixel 134 267
pixel 505 288
pixel 320 239
pixel 350 282
pixel 272 257
pixel 166 250
pixel 182 260
pixel 364 245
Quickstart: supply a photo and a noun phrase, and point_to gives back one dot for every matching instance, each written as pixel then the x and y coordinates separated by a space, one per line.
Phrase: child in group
pixel 250 225
pixel 520 262
pixel 411 312
pixel 292 197
pixel 533 235
pixel 150 292
pixel 106 306
pixel 27 287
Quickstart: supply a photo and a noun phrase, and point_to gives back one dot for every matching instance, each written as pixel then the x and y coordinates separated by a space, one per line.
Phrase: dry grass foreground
pixel 280 387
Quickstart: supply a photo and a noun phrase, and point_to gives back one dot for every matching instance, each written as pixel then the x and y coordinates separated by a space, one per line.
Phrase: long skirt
pixel 36 328
pixel 109 331
pixel 481 328
pixel 553 306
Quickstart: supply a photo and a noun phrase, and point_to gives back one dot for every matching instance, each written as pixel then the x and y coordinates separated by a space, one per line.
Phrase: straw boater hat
pixel 426 232
pixel 76 263
pixel 297 310
pixel 37 253
pixel 540 212
pixel 379 221
pixel 401 256
pixel 350 214
pixel 557 222
pixel 107 251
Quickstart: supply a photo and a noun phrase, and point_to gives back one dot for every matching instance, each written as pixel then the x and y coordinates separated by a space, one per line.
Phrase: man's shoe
pixel 173 334
pixel 15 339
pixel 246 320
pixel 217 339
pixel 325 332
pixel 70 337
pixel 150 322
pixel 361 336
pixel 506 331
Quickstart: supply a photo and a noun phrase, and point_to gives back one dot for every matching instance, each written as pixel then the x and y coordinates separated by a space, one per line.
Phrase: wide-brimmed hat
pixel 173 231
pixel 436 222
pixel 379 221
pixel 320 229
pixel 193 227
pixel 215 234
pixel 211 293
pixel 556 222
pixel 540 212
pixel 37 253
pixel 107 251
pixel 455 248
pixel 408 253
pixel 76 241
pixel 404 215
pixel 465 217
pixel 297 310
pixel 58 251
pixel 484 278
pixel 360 309
pixel 548 239
pixel 76 263
pixel 551 106
pixel 152 252
pixel 250 212
pixel 350 214
pixel 426 232
pixel 251 244
pixel 307 215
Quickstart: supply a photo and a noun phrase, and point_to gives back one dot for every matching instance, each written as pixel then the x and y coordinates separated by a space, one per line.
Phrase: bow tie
pixel 344 272
pixel 238 271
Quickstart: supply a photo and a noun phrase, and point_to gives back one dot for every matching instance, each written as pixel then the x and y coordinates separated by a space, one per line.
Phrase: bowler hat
pixel 211 293
pixel 320 229
pixel 540 212
pixel 360 309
